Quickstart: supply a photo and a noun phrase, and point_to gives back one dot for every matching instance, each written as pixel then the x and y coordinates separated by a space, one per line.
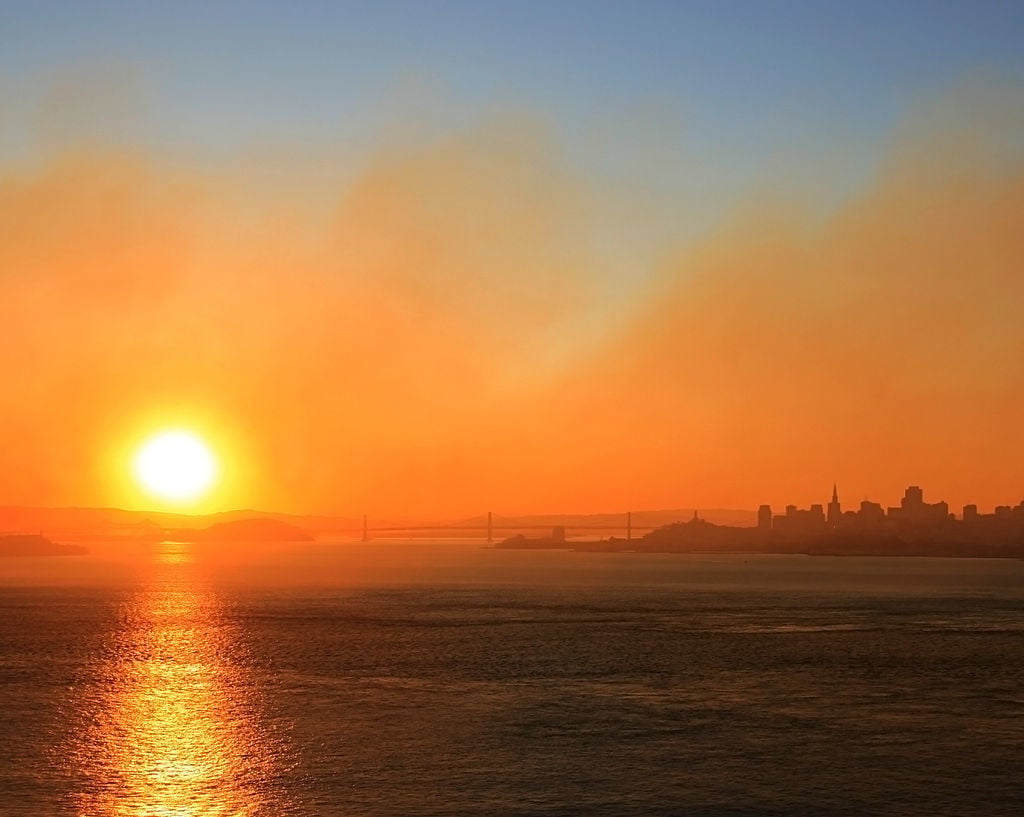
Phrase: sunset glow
pixel 176 466
pixel 511 407
pixel 592 274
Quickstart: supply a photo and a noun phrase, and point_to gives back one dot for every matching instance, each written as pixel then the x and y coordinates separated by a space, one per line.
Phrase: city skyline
pixel 912 510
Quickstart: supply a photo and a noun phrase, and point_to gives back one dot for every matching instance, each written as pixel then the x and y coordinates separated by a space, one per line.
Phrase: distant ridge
pixel 118 522
pixel 639 519
pixel 251 529
pixel 86 523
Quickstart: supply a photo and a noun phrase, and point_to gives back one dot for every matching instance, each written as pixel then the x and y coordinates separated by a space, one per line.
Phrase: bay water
pixel 432 678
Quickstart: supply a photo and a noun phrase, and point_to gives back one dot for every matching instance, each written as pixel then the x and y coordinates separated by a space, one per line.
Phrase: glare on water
pixel 175 731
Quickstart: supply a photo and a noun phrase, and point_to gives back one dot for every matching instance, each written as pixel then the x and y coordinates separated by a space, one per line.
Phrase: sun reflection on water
pixel 177 730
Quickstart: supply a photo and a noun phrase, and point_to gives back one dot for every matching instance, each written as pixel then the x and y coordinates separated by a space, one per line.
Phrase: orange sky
pixel 442 331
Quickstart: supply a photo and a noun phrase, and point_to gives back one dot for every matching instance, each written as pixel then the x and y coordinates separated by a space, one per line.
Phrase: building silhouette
pixel 835 511
pixel 914 528
pixel 915 512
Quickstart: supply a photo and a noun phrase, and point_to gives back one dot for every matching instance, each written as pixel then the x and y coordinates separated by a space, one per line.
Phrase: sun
pixel 176 466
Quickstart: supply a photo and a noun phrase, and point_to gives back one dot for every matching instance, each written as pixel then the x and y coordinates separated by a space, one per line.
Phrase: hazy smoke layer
pixel 445 330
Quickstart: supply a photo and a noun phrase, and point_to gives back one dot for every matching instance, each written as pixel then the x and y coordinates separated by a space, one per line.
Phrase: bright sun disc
pixel 175 465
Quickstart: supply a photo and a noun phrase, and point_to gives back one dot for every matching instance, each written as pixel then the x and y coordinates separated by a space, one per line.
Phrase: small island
pixel 35 545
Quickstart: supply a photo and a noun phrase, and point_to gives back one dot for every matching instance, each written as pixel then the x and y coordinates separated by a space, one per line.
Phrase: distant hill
pixel 82 524
pixel 106 523
pixel 597 522
pixel 247 530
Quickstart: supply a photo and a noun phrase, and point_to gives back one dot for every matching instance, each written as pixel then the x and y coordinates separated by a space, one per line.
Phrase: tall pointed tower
pixel 835 512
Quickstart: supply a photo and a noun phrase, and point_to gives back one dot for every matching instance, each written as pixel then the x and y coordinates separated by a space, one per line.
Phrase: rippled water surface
pixel 759 685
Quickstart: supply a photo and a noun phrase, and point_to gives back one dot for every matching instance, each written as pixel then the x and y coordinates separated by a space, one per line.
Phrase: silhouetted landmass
pixel 641 520
pixel 106 524
pixel 245 530
pixel 35 545
pixel 83 524
pixel 915 528
pixel 521 542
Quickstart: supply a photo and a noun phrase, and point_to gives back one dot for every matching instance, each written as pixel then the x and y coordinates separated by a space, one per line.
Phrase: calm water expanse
pixel 427 679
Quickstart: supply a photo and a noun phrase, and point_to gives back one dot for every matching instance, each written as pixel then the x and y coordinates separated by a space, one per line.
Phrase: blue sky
pixel 753 74
pixel 687 108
